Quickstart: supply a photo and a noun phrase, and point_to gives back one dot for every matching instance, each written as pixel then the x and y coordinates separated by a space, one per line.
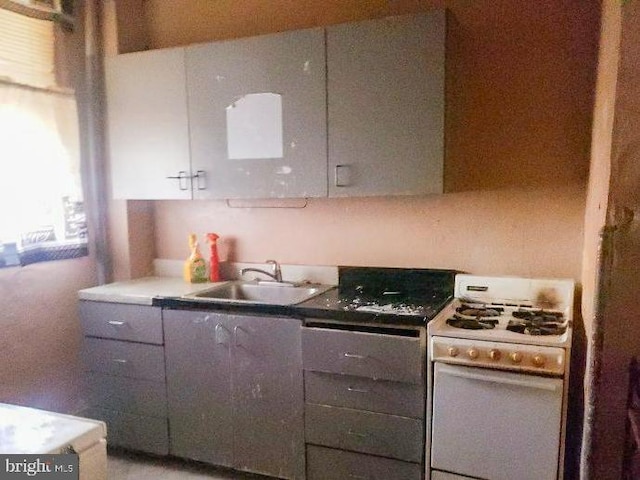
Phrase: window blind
pixel 26 50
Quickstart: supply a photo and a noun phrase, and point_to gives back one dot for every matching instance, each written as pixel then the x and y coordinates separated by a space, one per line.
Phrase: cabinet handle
pixel 355 355
pixel 182 178
pixel 116 323
pixel 219 338
pixel 120 361
pixel 342 175
pixel 201 180
pixel 357 390
pixel 237 329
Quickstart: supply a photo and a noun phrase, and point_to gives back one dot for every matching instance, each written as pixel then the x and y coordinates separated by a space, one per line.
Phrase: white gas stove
pixel 505 323
pixel 498 363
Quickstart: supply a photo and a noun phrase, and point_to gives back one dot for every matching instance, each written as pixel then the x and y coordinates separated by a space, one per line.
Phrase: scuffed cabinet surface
pixel 148 129
pixel 257 73
pixel 386 106
pixel 241 377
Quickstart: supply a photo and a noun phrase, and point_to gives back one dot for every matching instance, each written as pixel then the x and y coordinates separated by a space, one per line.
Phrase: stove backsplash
pixel 396 284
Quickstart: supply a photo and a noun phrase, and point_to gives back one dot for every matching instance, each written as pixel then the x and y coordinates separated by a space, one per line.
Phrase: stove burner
pixel 478 311
pixel 472 323
pixel 537 322
pixel 475 317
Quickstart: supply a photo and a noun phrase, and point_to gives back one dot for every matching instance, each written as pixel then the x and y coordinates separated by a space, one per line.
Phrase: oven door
pixel 495 425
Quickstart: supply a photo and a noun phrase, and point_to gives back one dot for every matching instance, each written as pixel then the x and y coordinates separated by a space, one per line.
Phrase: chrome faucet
pixel 276 275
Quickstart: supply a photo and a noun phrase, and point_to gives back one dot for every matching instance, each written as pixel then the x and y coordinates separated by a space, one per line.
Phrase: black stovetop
pixel 393 296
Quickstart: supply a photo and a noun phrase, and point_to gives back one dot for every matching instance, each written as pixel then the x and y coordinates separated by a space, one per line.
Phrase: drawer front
pixel 373 355
pixel 365 432
pixel 129 395
pixel 124 359
pixel 137 323
pixel 138 432
pixel 329 464
pixel 395 398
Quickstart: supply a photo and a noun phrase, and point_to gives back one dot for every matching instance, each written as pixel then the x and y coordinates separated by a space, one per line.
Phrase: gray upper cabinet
pixel 148 125
pixel 235 391
pixel 386 106
pixel 355 109
pixel 257 111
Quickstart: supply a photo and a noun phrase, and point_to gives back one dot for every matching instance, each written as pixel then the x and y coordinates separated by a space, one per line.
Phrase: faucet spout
pixel 276 275
pixel 258 270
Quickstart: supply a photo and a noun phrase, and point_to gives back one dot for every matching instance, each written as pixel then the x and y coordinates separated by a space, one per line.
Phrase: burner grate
pixel 537 322
pixel 472 323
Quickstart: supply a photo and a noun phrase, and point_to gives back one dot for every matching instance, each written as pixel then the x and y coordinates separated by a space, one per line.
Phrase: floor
pixel 133 466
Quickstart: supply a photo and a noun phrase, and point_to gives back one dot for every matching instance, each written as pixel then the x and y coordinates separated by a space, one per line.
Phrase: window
pixel 41 208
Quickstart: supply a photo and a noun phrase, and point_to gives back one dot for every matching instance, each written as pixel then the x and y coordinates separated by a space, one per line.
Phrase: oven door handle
pixel 528 381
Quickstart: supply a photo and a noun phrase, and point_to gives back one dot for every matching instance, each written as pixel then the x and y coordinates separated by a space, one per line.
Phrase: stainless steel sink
pixel 260 293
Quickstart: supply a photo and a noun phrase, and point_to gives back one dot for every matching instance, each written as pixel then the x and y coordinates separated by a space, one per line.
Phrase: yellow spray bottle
pixel 195 268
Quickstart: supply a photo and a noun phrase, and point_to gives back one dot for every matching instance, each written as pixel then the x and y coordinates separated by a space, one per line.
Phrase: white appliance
pixel 26 430
pixel 498 370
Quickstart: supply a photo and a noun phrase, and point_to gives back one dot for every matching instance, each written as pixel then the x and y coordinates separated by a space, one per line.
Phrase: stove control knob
pixel 453 351
pixel 538 360
pixel 495 354
pixel 473 353
pixel 516 357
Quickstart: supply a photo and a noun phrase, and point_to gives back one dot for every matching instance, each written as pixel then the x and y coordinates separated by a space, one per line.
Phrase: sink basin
pixel 263 293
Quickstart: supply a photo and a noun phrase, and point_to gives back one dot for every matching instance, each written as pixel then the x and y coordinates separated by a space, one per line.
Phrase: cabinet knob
pixel 453 351
pixel 473 353
pixel 516 357
pixel 495 354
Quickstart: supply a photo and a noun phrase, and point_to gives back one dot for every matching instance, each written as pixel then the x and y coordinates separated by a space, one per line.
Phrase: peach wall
pixel 503 232
pixel 41 333
pixel 520 80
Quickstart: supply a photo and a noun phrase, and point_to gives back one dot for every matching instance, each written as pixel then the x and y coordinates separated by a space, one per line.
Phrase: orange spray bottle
pixel 214 261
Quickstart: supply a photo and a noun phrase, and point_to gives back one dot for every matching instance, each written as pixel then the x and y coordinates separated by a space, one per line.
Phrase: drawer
pixel 138 432
pixel 395 398
pixel 373 355
pixel 366 432
pixel 350 465
pixel 129 395
pixel 120 321
pixel 124 359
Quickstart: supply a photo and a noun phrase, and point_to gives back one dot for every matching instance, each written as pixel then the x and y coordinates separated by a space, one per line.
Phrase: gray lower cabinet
pixel 124 363
pixel 235 391
pixel 331 464
pixel 364 404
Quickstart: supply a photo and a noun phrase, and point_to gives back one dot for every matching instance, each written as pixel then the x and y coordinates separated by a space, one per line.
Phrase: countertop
pixel 142 291
pixel 362 298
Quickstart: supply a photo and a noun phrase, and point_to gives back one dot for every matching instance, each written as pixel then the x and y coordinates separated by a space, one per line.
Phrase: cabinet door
pixel 268 396
pixel 199 385
pixel 386 106
pixel 148 125
pixel 257 110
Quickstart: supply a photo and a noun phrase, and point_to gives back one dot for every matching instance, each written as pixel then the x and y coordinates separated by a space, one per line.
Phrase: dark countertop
pixel 366 295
